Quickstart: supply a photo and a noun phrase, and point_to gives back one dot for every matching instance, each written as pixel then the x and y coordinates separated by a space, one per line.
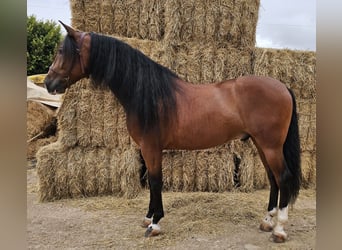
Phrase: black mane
pixel 145 88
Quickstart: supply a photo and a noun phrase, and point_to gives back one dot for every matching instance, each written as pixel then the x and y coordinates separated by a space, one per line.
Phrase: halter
pixel 78 49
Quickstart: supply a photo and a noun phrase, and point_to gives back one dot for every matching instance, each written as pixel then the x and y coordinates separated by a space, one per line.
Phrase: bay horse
pixel 165 112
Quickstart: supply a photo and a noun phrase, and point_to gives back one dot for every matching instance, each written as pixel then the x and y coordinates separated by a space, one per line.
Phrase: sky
pixel 282 24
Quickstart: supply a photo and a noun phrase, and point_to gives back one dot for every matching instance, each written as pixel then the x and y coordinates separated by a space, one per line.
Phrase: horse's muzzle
pixel 54 86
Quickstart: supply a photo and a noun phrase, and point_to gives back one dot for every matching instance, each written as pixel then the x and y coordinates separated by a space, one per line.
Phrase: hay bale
pixel 84 172
pixel 309 171
pixel 49 159
pixel 89 163
pixel 110 119
pixel 247 165
pixel 177 172
pixel 167 165
pixel 139 19
pixel 130 178
pixel 225 168
pixel 76 172
pixel 92 15
pixel 77 8
pixel 39 120
pixel 67 116
pixel 34 146
pixel 115 171
pixel 207 21
pixel 83 120
pixel 297 69
pixel 97 118
pixel 201 171
pixel 103 171
pixel 200 63
pixel 189 170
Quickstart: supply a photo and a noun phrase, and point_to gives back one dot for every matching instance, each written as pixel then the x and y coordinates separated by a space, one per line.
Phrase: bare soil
pixel 227 220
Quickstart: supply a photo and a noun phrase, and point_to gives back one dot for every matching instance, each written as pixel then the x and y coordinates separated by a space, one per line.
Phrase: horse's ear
pixel 71 31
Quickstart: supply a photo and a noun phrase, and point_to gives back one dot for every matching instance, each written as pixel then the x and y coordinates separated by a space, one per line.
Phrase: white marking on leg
pixel 282 220
pixel 269 216
pixel 154 227
pixel 267 223
pixel 152 230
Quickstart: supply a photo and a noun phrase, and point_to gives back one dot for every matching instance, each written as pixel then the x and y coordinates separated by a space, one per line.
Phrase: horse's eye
pixel 60 51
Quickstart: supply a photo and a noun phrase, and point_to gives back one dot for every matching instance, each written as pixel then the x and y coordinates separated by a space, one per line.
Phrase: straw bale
pixel 67 116
pixel 144 19
pixel 249 165
pixel 121 129
pixel 167 166
pixel 110 119
pixel 133 14
pixel 39 119
pixel 97 119
pixel 307 124
pixel 177 172
pixel 297 69
pixel 76 172
pixel 77 8
pixel 309 169
pixel 201 171
pixel 212 20
pixel 130 178
pixel 89 163
pixel 115 171
pixel 84 114
pixel 92 15
pixel 157 23
pixel 207 21
pixel 49 159
pixel 189 170
pixel 119 17
pixel 133 18
pixel 199 63
pixel 213 167
pixel 225 168
pixel 208 62
pixel 107 15
pixel 34 146
pixel 103 171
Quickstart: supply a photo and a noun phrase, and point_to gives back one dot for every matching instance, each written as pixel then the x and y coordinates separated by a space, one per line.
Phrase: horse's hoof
pixel 146 222
pixel 266 227
pixel 279 238
pixel 152 230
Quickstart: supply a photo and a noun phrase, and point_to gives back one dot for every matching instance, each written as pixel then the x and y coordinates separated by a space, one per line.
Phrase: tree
pixel 43 37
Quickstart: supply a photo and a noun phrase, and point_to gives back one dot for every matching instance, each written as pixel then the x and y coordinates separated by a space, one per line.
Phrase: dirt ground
pixel 192 221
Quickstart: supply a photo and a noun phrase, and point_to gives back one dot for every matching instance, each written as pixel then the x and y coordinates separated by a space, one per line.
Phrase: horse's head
pixel 71 61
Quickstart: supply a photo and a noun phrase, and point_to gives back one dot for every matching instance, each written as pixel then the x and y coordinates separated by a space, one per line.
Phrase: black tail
pixel 292 176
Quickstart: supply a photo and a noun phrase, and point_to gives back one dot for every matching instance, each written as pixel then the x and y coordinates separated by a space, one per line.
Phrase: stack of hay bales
pixel 202 41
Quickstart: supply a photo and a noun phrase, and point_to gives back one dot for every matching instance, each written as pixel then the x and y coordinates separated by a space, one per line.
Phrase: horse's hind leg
pixel 277 165
pixel 267 224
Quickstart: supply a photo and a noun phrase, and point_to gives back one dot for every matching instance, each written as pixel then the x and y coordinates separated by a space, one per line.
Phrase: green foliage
pixel 43 37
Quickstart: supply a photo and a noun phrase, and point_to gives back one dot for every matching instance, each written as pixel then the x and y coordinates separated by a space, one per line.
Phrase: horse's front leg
pixel 153 160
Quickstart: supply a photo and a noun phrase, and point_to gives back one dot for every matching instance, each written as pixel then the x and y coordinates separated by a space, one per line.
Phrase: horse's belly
pixel 203 137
